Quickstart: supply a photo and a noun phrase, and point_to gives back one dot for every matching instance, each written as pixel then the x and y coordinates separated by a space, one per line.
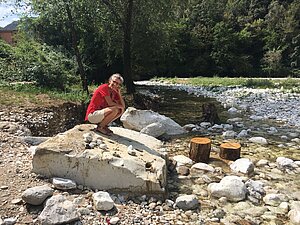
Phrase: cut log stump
pixel 200 149
pixel 230 151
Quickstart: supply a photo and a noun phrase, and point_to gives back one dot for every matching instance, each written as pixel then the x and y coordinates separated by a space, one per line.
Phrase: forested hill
pixel 142 39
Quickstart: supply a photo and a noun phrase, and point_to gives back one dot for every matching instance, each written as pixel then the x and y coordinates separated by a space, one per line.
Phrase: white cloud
pixel 9 13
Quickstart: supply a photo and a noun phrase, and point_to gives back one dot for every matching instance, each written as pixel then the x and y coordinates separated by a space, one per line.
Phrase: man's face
pixel 115 83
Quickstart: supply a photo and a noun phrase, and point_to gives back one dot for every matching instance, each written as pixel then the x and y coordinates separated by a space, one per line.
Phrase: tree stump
pixel 230 151
pixel 200 149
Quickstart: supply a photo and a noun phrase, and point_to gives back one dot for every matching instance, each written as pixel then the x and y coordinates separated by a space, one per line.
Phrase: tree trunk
pixel 230 151
pixel 76 50
pixel 200 149
pixel 127 48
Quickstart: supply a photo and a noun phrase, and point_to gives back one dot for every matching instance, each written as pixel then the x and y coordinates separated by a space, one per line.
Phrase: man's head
pixel 115 80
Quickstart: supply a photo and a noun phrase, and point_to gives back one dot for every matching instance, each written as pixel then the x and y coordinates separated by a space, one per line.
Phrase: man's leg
pixel 110 114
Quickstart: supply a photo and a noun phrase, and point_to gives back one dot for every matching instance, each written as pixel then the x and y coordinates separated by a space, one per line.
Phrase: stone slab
pixel 112 168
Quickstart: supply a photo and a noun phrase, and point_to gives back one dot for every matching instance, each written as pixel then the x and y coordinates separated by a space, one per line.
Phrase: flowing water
pixel 180 106
pixel 186 108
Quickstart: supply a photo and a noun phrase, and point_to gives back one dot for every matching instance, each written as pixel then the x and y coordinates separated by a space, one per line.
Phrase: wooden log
pixel 230 150
pixel 200 149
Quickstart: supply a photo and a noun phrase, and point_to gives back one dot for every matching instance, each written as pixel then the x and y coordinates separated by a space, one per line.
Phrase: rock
pixel 103 201
pixel 138 119
pixel 187 202
pixel 182 160
pixel 87 137
pixel 63 184
pixel 242 134
pixel 14 128
pixel 294 213
pixel 284 162
pixel 33 141
pixel 10 221
pixel 230 187
pixel 114 220
pixel 230 134
pixel 262 162
pixel 200 168
pixel 205 124
pixel 37 195
pixel 154 129
pixel 232 110
pixel 65 156
pixel 255 191
pixel 259 140
pixel 189 127
pixel 183 170
pixel 242 165
pixel 275 199
pixel 58 210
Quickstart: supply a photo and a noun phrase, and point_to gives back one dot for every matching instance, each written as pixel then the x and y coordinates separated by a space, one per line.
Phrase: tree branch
pixel 114 12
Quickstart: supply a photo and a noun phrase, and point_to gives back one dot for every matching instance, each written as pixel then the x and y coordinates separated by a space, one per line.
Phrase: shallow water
pixel 186 108
pixel 180 106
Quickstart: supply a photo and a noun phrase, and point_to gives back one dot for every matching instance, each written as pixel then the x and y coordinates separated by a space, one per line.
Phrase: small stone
pixel 114 220
pixel 16 201
pixel 4 187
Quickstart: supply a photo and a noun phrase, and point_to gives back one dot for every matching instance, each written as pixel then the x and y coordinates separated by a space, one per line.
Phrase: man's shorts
pixel 96 117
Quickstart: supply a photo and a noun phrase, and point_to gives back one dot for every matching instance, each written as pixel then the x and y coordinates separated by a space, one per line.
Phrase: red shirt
pixel 98 101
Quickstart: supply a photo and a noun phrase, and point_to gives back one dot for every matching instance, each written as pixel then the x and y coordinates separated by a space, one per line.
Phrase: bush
pixel 40 63
pixel 261 83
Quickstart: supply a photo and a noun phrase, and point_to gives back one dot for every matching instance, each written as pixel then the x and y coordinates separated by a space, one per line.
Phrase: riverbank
pixel 280 186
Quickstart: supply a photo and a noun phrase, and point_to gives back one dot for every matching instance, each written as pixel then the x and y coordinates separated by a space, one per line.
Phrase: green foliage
pixel 291 84
pixel 259 83
pixel 256 38
pixel 34 62
pixel 31 92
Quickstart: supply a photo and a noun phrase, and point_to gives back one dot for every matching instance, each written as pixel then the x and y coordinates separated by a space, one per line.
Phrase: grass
pixel 29 94
pixel 20 94
pixel 291 84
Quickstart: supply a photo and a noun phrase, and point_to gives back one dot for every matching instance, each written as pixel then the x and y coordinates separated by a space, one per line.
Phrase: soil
pixel 45 119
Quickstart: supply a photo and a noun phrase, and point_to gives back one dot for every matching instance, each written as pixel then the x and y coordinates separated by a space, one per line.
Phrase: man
pixel 107 104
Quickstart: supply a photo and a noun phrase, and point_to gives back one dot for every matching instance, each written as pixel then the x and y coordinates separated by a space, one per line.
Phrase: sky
pixel 8 13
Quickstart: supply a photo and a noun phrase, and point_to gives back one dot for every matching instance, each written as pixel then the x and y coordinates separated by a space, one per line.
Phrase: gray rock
pixel 275 199
pixel 58 210
pixel 187 202
pixel 65 156
pixel 294 213
pixel 284 162
pixel 37 195
pixel 138 119
pixel 242 165
pixel 231 187
pixel 63 184
pixel 103 201
pixel 259 140
pixel 154 129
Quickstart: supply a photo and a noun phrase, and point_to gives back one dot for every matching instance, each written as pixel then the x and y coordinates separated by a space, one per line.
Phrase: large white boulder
pixel 106 166
pixel 231 187
pixel 136 119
